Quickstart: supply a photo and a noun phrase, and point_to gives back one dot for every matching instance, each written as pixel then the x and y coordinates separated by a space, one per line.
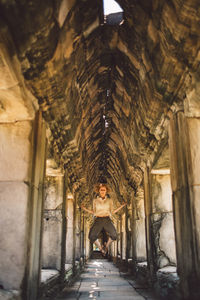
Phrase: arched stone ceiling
pixel 105 90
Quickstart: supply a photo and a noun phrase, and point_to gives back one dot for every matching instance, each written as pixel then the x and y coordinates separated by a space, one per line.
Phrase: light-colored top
pixel 103 207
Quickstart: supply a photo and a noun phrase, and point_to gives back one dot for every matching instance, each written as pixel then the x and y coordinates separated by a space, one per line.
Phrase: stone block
pixel 15 151
pixel 194 137
pixel 140 241
pixel 167 238
pixel 52 231
pixel 53 192
pixel 9 295
pixel 167 285
pixel 69 245
pixel 162 193
pixel 13 233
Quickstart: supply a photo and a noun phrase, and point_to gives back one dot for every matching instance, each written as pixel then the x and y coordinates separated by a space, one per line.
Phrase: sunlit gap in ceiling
pixel 113 13
pixel 106 121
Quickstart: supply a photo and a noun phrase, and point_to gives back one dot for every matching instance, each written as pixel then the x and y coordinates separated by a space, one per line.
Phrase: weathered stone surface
pixel 9 295
pixel 167 285
pixel 16 151
pixel 53 192
pixel 162 193
pixel 69 237
pixel 185 198
pixel 167 238
pixel 52 233
pixel 139 240
pixel 13 232
pixel 162 220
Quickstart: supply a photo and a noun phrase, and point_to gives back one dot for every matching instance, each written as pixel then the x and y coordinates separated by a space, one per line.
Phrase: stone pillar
pixel 70 229
pixel 148 225
pixel 127 240
pixel 138 228
pixel 123 240
pixel 22 163
pixel 64 228
pixel 162 219
pixel 87 241
pixel 74 235
pixel 36 210
pixel 53 220
pixel 133 233
pixel 82 234
pixel 119 237
pixel 114 244
pixel 78 234
pixel 184 142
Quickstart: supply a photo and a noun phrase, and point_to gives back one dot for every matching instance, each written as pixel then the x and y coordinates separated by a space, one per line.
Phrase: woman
pixel 102 211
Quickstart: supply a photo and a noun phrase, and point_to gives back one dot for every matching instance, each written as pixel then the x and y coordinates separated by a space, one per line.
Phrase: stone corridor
pixel 102 280
pixel 89 97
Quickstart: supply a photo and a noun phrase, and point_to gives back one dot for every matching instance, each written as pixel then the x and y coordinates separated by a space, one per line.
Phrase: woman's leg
pixel 95 231
pixel 110 229
pixel 97 243
pixel 108 243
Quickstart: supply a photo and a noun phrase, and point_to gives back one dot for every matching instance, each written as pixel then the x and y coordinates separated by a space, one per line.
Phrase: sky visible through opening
pixel 111 6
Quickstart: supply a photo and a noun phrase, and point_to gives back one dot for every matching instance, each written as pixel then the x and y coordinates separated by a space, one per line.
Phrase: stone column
pixel 184 142
pixel 36 210
pixel 138 228
pixel 148 227
pixel 114 244
pixel 119 238
pixel 123 228
pixel 127 242
pixel 22 160
pixel 78 234
pixel 162 219
pixel 64 227
pixel 87 241
pixel 82 234
pixel 53 220
pixel 70 229
pixel 74 235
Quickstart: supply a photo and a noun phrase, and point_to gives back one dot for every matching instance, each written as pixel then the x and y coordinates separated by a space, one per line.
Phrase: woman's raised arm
pixel 87 210
pixel 116 210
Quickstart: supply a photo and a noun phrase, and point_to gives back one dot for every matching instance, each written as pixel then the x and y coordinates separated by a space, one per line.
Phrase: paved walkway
pixel 102 280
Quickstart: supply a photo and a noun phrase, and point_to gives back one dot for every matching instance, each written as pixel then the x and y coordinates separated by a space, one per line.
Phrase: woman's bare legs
pixel 101 248
pixel 108 244
pixel 97 243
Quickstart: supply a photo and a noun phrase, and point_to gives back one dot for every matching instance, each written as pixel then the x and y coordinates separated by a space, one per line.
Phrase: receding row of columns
pixel 41 226
pixel 165 221
pixel 22 158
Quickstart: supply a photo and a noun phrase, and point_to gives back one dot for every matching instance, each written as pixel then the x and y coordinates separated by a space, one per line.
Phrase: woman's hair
pixel 99 185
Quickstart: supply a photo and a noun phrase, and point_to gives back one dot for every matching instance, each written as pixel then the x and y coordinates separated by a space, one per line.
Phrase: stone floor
pixel 102 280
